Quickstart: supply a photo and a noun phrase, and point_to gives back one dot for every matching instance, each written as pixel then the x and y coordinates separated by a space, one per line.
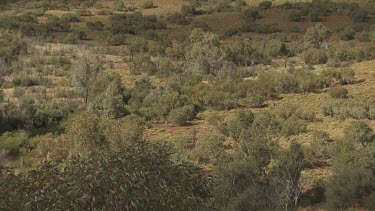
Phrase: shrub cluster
pixel 356 108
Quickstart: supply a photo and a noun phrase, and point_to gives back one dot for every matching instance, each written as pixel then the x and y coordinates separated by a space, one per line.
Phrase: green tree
pixel 241 52
pixel 136 174
pixel 107 96
pixel 204 53
pixel 316 36
pixel 84 71
pixel 180 116
pixel 315 56
pixel 359 132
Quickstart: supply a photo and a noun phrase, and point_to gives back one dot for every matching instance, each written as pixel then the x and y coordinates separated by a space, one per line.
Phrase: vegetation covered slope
pixel 175 105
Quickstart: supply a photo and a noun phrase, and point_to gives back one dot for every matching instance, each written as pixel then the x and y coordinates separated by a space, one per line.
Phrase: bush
pixel 251 14
pixel 363 36
pixel 265 5
pixel 81 35
pixel 134 23
pixel 25 80
pixel 315 56
pixel 295 17
pixel 347 34
pixel 359 132
pixel 71 17
pixel 55 23
pixel 180 116
pixel 84 13
pixel 293 126
pixel 314 16
pixel 71 38
pixel 97 25
pixel 178 18
pixel 187 10
pixel 148 5
pixel 104 12
pixel 351 187
pixel 12 142
pixel 338 92
pixel 11 46
pixel 224 7
pixel 359 16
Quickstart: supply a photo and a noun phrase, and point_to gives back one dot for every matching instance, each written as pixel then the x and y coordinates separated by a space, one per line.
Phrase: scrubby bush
pixel 347 34
pixel 187 10
pixel 295 17
pixel 84 12
pixel 359 132
pixel 71 38
pixel 25 80
pixel 240 123
pixel 11 46
pixel 148 5
pixel 96 25
pixel 316 36
pixel 12 143
pixel 55 23
pixel 293 126
pixel 178 18
pixel 359 108
pixel 251 14
pixel 314 16
pixel 315 56
pixel 359 16
pixel 363 36
pixel 180 116
pixel 104 12
pixel 265 5
pixel 224 6
pixel 338 92
pixel 134 23
pixel 71 17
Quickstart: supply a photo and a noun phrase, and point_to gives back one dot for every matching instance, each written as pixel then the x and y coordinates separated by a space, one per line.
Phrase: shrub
pixel 239 123
pixel 314 16
pixel 148 5
pixel 251 14
pixel 295 17
pixel 71 17
pixel 363 36
pixel 293 126
pixel 338 92
pixel 134 23
pixel 352 186
pixel 97 25
pixel 181 115
pixel 231 32
pixel 178 18
pixel 224 7
pixel 359 132
pixel 12 142
pixel 81 35
pixel 347 34
pixel 104 12
pixel 187 10
pixel 84 13
pixel 315 56
pixel 265 5
pixel 25 80
pixel 11 46
pixel 71 38
pixel 359 16
pixel 55 23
